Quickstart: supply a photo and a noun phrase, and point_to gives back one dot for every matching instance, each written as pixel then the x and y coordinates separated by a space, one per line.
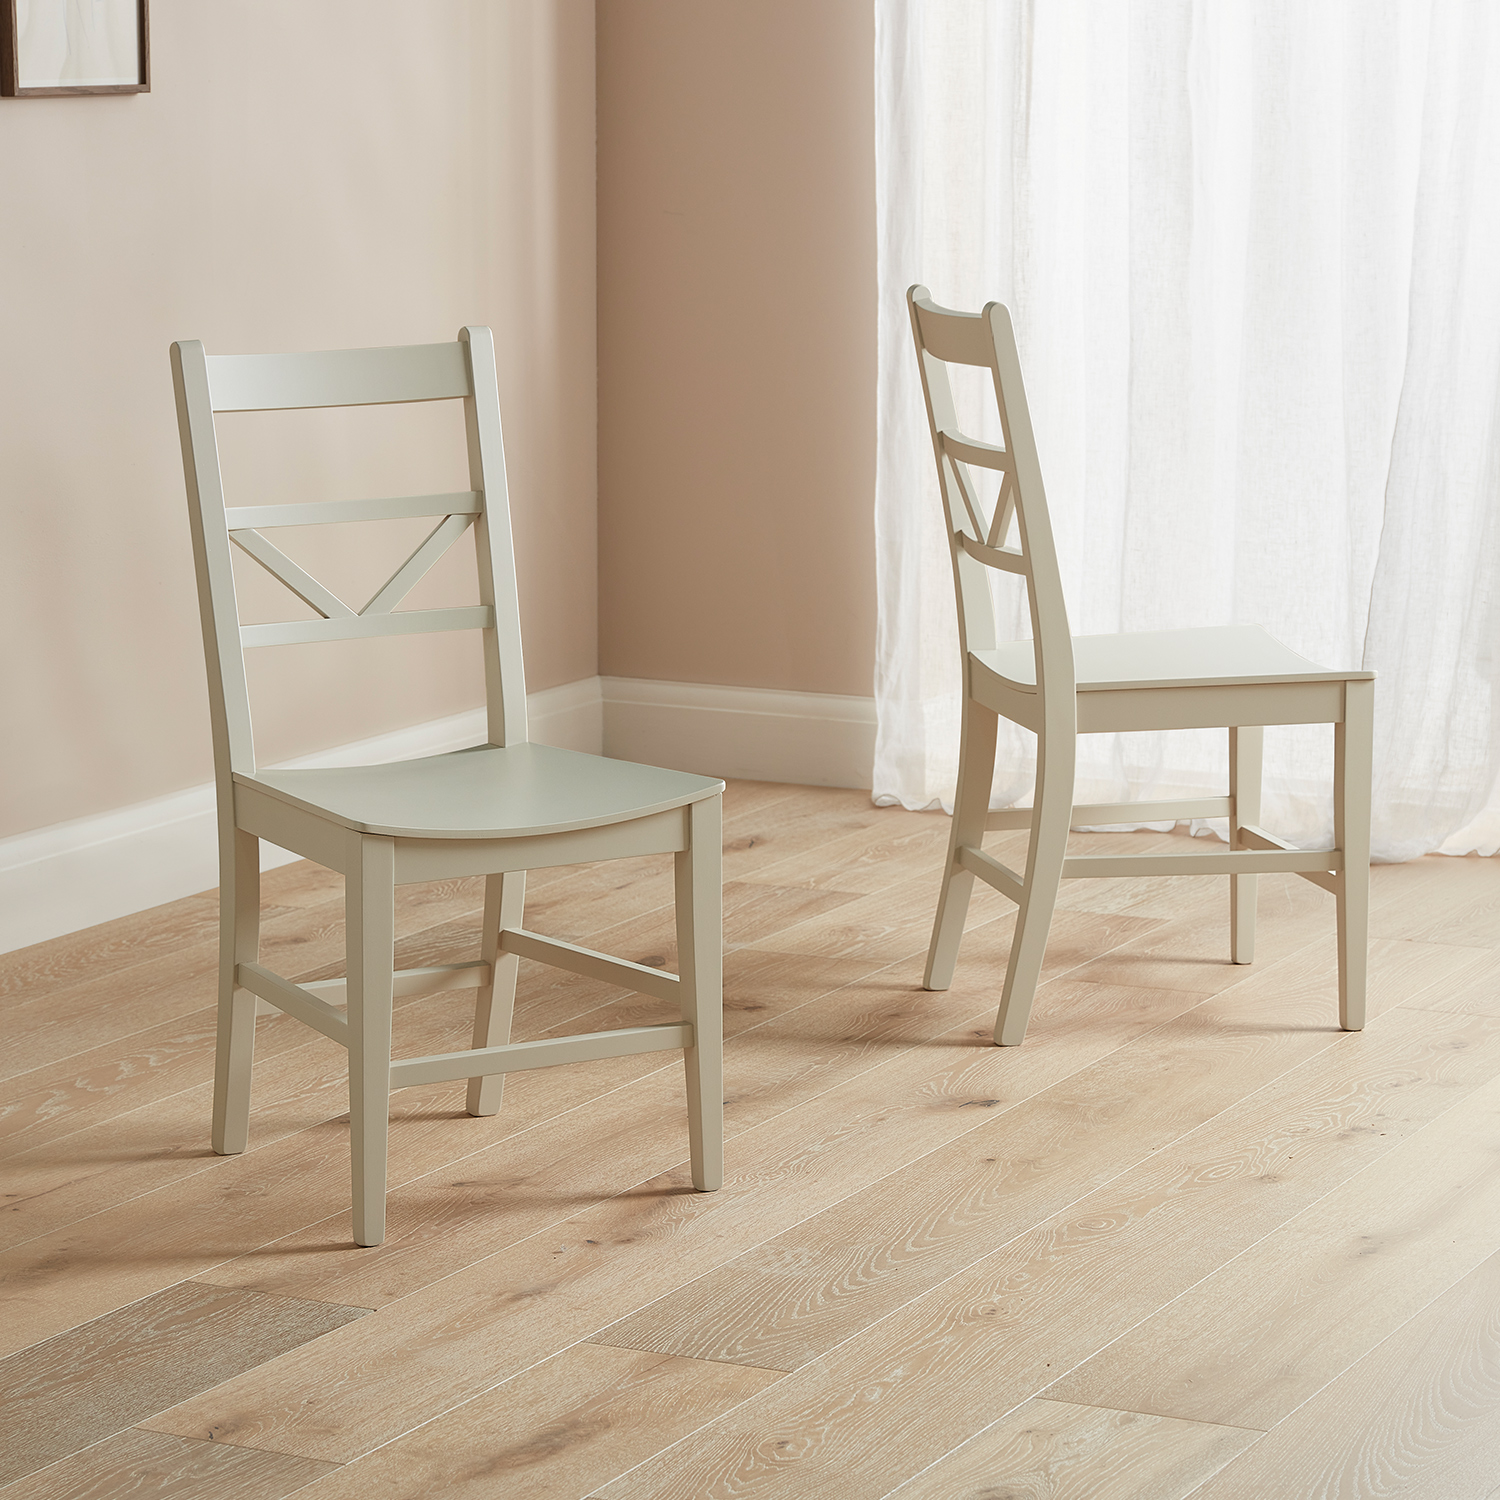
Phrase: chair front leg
pixel 700 966
pixel 1246 747
pixel 504 906
pixel 370 931
pixel 1057 755
pixel 239 943
pixel 971 808
pixel 1353 749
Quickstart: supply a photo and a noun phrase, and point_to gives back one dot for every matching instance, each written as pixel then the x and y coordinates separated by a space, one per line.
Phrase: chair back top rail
pixel 956 338
pixel 463 370
pixel 337 377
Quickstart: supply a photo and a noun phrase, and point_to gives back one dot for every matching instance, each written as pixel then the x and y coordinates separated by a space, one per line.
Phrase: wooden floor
pixel 1189 1239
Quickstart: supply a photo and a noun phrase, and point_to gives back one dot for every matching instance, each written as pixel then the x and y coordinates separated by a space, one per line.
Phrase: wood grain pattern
pixel 902 1393
pixel 572 1421
pixel 817 1054
pixel 1063 1452
pixel 103 1084
pixel 863 1112
pixel 61 1395
pixel 889 924
pixel 301 1085
pixel 1438 900
pixel 1418 1416
pixel 794 1297
pixel 1252 1342
pixel 1475 989
pixel 149 1466
pixel 483 1323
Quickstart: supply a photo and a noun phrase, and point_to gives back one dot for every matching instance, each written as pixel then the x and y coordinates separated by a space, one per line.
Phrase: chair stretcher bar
pixel 409 983
pixel 1270 857
pixel 295 1001
pixel 646 981
pixel 992 872
pixel 1278 860
pixel 1258 838
pixel 481 1062
pixel 1091 814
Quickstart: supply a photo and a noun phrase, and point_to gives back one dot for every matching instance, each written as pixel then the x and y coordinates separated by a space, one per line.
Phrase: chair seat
pixel 1214 656
pixel 486 792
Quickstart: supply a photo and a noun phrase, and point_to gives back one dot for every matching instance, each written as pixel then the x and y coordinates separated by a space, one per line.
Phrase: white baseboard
pixel 73 875
pixel 813 739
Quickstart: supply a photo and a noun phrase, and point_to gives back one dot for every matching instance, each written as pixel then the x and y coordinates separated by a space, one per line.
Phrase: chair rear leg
pixel 1056 757
pixel 370 922
pixel 239 943
pixel 700 964
pixel 504 906
pixel 971 808
pixel 1246 746
pixel 1353 747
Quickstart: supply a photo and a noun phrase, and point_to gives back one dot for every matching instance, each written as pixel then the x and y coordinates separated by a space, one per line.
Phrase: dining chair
pixel 1059 686
pixel 496 810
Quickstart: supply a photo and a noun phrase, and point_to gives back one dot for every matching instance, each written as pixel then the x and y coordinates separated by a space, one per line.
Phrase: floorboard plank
pixel 1263 1334
pixel 486 1322
pixel 150 1466
pixel 572 1422
pixel 862 1113
pixel 1063 1452
pixel 895 1398
pixel 299 1087
pixel 1437 900
pixel 793 1298
pixel 62 1395
pixel 449 1218
pixel 1475 989
pixel 1419 1416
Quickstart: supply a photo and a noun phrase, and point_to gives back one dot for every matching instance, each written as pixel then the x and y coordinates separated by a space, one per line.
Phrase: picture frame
pixel 52 48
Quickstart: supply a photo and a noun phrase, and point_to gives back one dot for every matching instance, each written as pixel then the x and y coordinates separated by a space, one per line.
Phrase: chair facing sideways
pixel 1060 686
pixel 495 810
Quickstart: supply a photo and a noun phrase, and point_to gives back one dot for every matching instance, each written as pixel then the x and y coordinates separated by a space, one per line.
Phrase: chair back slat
pixel 337 377
pixel 463 370
pixel 362 627
pixel 335 512
pixel 415 568
pixel 280 566
pixel 986 339
pixel 971 451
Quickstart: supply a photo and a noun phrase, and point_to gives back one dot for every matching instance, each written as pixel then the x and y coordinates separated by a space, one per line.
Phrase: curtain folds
pixel 1250 249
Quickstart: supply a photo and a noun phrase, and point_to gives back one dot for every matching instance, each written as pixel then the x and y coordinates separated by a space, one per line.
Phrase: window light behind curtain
pixel 1253 254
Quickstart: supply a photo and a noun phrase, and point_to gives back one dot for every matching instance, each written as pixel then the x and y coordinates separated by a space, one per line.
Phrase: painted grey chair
pixel 1060 686
pixel 497 810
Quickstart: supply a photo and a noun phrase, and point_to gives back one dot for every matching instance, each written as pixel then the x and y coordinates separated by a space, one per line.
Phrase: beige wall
pixel 302 176
pixel 737 342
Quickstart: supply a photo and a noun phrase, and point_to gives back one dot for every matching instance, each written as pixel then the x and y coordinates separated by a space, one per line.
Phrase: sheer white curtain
pixel 1252 249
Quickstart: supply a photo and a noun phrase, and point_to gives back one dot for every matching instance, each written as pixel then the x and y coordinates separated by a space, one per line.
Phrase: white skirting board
pixel 812 739
pixel 73 875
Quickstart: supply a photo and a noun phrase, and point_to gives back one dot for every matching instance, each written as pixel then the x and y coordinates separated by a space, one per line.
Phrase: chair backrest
pixel 977 541
pixel 464 370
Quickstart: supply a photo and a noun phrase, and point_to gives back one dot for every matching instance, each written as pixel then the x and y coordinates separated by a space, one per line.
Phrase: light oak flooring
pixel 1190 1239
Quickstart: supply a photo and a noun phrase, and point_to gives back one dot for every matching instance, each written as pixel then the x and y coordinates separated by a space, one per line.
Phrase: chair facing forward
pixel 496 810
pixel 1060 686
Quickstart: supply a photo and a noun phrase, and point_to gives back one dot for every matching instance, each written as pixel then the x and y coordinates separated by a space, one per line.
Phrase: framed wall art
pixel 52 47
